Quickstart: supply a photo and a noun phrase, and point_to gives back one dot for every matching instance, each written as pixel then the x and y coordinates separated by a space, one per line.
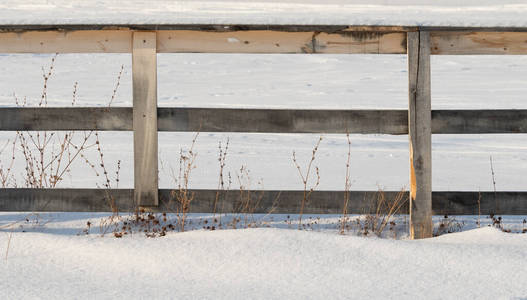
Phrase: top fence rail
pixel 324 39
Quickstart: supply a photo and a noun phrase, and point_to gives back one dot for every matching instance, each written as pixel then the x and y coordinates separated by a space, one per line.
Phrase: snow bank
pixel 334 12
pixel 54 262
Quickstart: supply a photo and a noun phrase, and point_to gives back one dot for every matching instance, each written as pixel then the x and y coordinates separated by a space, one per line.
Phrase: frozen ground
pixel 345 12
pixel 54 259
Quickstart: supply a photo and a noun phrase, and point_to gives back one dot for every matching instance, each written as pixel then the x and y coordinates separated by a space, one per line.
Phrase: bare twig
pixel 305 179
pixel 347 186
pixel 494 185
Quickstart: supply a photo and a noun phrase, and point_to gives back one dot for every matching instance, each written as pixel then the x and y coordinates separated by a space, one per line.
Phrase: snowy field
pixel 333 12
pixel 54 258
pixel 57 255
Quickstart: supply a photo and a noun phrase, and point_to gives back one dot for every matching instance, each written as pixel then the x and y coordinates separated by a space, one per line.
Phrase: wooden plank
pixel 479 121
pixel 144 78
pixel 472 43
pixel 281 202
pixel 283 120
pixel 267 41
pixel 466 203
pixel 85 200
pixel 65 118
pixel 173 41
pixel 263 120
pixel 84 41
pixel 209 120
pixel 420 135
pixel 248 39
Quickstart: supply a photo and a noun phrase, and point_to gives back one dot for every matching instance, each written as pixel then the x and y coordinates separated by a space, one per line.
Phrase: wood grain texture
pixel 472 43
pixel 144 78
pixel 183 41
pixel 209 120
pixel 262 39
pixel 83 41
pixel 479 121
pixel 263 120
pixel 287 202
pixel 283 121
pixel 267 41
pixel 65 118
pixel 420 135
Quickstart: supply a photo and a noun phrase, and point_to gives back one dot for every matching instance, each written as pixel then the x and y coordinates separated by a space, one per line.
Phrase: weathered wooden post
pixel 420 134
pixel 144 73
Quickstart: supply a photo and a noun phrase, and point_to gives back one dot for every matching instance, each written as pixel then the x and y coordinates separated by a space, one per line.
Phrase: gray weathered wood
pixel 466 203
pixel 286 202
pixel 65 118
pixel 122 199
pixel 479 121
pixel 144 77
pixel 283 120
pixel 209 120
pixel 263 120
pixel 420 135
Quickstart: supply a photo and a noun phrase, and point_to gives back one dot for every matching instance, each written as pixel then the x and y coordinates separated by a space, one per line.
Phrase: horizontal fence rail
pixel 283 202
pixel 264 120
pixel 261 39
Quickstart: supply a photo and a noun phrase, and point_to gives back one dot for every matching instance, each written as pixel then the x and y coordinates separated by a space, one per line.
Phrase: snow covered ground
pixel 57 260
pixel 333 12
pixel 49 256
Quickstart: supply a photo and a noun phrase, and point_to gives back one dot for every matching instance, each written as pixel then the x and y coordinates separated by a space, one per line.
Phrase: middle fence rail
pixel 394 122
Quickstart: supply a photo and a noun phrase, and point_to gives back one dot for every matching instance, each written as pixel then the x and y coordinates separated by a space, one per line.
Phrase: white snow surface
pixel 53 262
pixel 296 12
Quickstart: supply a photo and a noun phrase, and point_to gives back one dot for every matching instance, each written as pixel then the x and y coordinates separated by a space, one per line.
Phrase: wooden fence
pixel 146 119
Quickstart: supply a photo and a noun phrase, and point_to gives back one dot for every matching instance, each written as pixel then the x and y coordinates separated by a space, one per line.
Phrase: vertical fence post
pixel 420 134
pixel 144 73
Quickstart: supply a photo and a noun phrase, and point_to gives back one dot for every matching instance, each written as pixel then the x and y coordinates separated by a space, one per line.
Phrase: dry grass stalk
pixel 6 175
pixel 107 223
pixel 117 84
pixel 347 186
pixel 183 195
pixel 382 211
pixel 220 193
pixel 479 209
pixel 497 208
pixel 305 179
pixel 247 205
pixel 448 225
pixel 49 156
